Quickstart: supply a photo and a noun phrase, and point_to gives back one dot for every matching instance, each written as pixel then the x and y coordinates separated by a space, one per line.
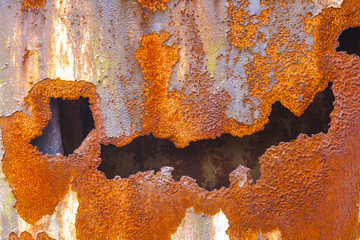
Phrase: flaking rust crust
pixel 27 236
pixel 308 188
pixel 38 181
pixel 165 111
pixel 154 5
pixel 273 75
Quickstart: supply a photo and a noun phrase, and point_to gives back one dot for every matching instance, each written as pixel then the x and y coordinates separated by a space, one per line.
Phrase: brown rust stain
pixel 305 185
pixel 154 5
pixel 33 4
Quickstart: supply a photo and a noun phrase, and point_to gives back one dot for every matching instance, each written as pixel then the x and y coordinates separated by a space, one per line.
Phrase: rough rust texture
pixel 33 4
pixel 154 4
pixel 164 111
pixel 38 191
pixel 296 83
pixel 27 236
pixel 308 188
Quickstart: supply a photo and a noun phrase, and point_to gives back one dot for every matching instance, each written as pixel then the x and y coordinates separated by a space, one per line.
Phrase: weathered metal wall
pixel 184 71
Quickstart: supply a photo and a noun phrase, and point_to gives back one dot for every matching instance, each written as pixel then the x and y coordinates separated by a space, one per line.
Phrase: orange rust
pixel 33 4
pixel 289 89
pixel 157 62
pixel 27 236
pixel 154 5
pixel 241 35
pixel 38 182
pixel 164 111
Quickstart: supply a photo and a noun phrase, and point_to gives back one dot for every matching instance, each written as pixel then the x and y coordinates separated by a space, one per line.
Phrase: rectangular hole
pixel 71 121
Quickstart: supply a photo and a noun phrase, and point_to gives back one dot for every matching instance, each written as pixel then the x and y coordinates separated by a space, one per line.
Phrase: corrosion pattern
pixel 153 5
pixel 195 85
pixel 27 236
pixel 33 4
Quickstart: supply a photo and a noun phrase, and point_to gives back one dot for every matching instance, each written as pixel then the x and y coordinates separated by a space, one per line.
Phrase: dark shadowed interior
pixel 349 41
pixel 71 121
pixel 211 161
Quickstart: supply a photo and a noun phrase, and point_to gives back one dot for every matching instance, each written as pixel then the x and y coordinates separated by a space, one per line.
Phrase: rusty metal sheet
pixel 184 71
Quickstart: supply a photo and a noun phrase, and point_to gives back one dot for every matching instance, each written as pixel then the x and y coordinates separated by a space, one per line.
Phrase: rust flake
pixel 33 4
pixel 27 236
pixel 154 5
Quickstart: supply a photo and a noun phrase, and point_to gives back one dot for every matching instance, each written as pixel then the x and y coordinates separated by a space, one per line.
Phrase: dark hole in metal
pixel 211 161
pixel 349 41
pixel 71 121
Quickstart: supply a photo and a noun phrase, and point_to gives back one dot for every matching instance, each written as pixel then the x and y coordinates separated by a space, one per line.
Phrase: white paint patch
pixel 197 226
pixel 220 225
pixel 242 182
pixel 331 3
pixel 67 216
pixel 85 71
pixel 8 215
pixel 62 55
pixel 274 235
pixel 60 225
pixel 322 4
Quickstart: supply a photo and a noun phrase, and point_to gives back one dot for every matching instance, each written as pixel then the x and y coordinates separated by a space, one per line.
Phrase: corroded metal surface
pixel 27 236
pixel 183 70
pixel 218 68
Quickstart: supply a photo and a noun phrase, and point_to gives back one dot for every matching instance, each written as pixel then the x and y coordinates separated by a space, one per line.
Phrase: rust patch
pixel 243 30
pixel 33 4
pixel 296 83
pixel 157 61
pixel 38 181
pixel 27 236
pixel 164 110
pixel 154 5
